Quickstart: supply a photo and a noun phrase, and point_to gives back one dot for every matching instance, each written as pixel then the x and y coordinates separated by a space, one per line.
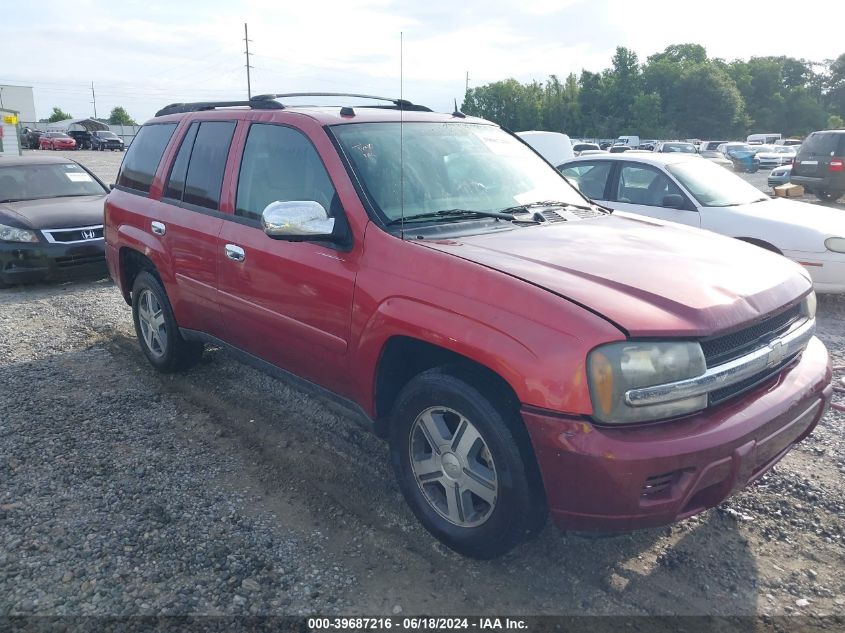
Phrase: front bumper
pixel 22 263
pixel 620 479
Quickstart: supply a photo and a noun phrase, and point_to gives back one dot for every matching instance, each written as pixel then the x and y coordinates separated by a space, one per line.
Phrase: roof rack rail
pixel 399 104
pixel 254 103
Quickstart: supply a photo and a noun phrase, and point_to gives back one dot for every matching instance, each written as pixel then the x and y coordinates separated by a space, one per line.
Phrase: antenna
pixel 401 140
pixel 247 41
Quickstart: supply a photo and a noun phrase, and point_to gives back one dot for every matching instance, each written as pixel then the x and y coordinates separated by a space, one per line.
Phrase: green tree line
pixel 118 116
pixel 679 93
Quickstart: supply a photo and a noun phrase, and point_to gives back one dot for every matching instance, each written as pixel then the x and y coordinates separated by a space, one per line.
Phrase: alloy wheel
pixel 151 320
pixel 453 466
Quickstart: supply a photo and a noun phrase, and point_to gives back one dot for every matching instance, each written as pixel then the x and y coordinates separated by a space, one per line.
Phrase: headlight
pixel 835 244
pixel 808 306
pixel 615 368
pixel 12 234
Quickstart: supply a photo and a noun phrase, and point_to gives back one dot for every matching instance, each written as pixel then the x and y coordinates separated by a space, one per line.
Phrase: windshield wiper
pixel 12 200
pixel 458 213
pixel 547 203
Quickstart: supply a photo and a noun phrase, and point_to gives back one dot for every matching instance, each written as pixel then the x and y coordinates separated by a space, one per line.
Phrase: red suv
pixel 524 350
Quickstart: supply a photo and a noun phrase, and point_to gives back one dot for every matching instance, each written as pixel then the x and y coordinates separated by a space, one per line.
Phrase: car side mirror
pixel 297 220
pixel 673 201
pixel 111 186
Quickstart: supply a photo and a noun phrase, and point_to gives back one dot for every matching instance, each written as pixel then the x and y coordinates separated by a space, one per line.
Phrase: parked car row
pixel 74 139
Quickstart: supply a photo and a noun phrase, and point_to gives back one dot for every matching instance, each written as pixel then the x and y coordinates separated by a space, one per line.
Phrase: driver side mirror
pixel 673 201
pixel 297 220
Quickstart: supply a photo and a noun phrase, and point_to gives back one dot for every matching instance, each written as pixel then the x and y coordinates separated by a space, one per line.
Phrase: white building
pixel 9 139
pixel 20 99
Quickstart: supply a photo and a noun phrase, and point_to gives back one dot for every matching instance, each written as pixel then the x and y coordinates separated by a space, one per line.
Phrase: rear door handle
pixel 158 228
pixel 235 252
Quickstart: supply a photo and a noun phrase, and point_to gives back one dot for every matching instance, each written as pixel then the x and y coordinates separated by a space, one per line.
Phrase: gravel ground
pixel 223 491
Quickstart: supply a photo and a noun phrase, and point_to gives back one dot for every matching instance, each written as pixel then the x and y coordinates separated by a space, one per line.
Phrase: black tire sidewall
pixel 507 524
pixel 170 359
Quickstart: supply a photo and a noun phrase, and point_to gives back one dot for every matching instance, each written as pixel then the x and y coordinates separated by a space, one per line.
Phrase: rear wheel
pixel 829 196
pixel 464 465
pixel 156 327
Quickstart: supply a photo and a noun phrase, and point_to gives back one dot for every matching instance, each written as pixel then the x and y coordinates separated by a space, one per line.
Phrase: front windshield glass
pixel 738 148
pixel 714 186
pixel 31 182
pixel 686 148
pixel 448 166
pixel 106 134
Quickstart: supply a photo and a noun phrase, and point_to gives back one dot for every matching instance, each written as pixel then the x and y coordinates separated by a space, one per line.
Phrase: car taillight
pixel 836 164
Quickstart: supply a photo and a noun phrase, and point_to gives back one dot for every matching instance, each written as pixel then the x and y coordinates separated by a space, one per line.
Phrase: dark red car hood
pixel 649 277
pixel 55 213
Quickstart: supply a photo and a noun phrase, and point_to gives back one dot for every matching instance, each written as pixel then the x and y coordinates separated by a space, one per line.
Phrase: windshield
pixel 686 148
pixel 448 166
pixel 739 148
pixel 58 135
pixel 106 134
pixel 714 186
pixel 30 182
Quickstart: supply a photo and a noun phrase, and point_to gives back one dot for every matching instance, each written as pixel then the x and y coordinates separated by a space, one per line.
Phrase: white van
pixel 630 141
pixel 553 146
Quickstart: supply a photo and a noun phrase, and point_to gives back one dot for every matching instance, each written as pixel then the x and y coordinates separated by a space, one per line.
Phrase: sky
pixel 143 55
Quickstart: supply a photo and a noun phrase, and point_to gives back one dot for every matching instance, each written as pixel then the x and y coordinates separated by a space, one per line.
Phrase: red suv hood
pixel 650 278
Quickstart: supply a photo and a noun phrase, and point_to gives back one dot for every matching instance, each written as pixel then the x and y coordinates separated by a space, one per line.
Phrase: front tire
pixel 156 327
pixel 464 464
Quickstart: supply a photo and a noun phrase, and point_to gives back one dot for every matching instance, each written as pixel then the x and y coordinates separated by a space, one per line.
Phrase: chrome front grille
pixel 75 235
pixel 727 347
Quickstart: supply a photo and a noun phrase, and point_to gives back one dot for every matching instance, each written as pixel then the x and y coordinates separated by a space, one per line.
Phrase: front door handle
pixel 158 228
pixel 235 252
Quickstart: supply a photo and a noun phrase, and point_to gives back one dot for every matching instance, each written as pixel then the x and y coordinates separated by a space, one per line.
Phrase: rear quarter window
pixel 144 155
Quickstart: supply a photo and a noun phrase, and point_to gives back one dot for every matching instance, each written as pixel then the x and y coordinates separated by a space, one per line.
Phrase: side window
pixel 207 164
pixel 176 181
pixel 590 176
pixel 280 163
pixel 640 184
pixel 144 154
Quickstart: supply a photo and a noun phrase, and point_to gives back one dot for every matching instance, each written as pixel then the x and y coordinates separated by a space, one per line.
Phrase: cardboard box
pixel 789 191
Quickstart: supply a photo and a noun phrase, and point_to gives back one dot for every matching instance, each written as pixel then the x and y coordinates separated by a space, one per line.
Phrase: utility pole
pixel 247 41
pixel 94 97
pixel 467 87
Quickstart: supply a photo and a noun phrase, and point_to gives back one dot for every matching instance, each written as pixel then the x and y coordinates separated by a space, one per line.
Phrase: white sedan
pixel 774 156
pixel 685 189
